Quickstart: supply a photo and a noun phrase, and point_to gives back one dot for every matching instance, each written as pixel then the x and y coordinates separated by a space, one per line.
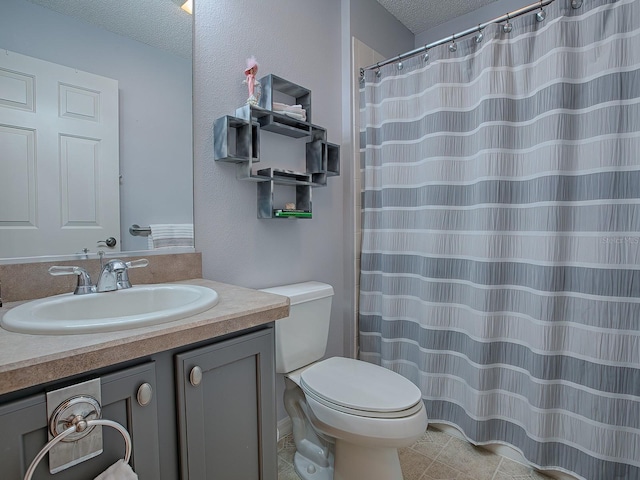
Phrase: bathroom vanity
pixel 196 395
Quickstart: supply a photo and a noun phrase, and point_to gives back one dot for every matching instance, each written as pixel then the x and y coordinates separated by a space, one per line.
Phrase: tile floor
pixel 436 456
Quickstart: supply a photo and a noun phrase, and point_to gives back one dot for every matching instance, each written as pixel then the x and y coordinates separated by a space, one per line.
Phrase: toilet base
pixel 308 470
pixel 352 462
pixel 357 462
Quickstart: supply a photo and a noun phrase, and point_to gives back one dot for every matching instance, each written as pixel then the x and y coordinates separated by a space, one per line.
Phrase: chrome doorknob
pixel 109 242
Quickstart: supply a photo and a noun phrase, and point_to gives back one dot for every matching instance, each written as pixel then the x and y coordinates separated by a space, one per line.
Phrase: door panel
pixel 18 179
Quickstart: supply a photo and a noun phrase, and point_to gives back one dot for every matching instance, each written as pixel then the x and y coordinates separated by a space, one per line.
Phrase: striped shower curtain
pixel 500 263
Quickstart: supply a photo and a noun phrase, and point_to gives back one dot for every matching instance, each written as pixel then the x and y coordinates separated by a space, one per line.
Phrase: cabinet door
pixel 23 430
pixel 226 410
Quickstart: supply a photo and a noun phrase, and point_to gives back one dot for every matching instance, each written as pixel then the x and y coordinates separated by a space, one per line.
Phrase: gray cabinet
pixel 226 410
pixel 23 426
pixel 222 428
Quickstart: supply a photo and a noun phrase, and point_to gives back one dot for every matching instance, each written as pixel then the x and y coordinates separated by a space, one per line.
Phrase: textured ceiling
pixel 159 23
pixel 162 24
pixel 421 15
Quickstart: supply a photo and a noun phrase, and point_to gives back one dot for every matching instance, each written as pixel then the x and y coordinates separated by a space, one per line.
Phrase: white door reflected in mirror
pixel 59 154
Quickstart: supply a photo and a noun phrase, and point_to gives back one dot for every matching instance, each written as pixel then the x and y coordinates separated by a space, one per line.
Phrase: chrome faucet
pixel 113 276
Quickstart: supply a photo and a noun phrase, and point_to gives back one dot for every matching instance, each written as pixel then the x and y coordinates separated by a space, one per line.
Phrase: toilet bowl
pixel 349 417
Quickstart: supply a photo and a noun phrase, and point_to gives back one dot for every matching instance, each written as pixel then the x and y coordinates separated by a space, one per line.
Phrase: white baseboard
pixel 284 427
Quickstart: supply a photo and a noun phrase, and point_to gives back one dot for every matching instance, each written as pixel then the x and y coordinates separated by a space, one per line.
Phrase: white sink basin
pixel 138 306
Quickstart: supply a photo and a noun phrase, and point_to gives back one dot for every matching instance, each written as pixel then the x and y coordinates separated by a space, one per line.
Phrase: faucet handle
pixel 84 279
pixel 65 270
pixel 143 262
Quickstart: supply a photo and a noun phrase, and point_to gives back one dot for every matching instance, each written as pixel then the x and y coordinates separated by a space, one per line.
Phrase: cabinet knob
pixel 144 395
pixel 195 377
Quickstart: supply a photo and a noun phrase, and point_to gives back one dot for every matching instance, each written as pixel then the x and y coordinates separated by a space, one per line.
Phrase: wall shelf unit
pixel 237 140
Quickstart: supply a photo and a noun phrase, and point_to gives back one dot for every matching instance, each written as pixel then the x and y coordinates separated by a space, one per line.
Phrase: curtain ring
pixel 541 15
pixel 453 46
pixel 507 27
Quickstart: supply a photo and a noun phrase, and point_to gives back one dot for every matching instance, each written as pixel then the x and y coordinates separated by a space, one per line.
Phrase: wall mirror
pixel 146 47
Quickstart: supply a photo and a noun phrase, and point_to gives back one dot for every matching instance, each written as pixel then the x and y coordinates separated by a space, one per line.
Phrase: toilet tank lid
pixel 302 292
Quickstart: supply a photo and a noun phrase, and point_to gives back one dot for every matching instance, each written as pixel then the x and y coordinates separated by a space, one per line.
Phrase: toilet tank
pixel 301 338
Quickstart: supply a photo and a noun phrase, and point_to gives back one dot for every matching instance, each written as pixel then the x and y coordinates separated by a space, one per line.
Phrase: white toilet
pixel 349 417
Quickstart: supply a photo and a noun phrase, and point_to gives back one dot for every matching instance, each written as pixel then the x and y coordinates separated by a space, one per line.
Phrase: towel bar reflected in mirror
pixel 138 231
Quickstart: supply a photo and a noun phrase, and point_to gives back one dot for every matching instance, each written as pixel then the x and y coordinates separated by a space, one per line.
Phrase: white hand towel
pixel 284 106
pixel 170 235
pixel 118 471
pixel 297 116
pixel 295 111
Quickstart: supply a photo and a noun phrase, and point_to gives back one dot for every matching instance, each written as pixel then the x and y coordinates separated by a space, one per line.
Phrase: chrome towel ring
pixel 79 424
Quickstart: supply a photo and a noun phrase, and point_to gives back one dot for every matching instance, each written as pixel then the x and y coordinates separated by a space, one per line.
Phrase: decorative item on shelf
pixel 290 206
pixel 284 212
pixel 255 89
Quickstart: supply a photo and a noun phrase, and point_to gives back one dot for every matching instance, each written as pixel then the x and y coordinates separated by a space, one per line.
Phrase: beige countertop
pixel 28 360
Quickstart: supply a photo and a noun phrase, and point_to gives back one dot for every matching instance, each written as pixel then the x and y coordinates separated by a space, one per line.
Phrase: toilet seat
pixel 360 388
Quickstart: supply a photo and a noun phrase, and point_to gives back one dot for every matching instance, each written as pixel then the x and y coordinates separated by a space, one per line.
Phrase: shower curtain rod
pixel 479 28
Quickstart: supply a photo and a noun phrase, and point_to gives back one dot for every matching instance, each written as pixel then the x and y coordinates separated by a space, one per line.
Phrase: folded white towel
pixel 170 235
pixel 118 471
pixel 294 111
pixel 284 106
pixel 297 116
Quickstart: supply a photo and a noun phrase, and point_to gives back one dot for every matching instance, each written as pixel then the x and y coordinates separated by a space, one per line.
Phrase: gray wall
pixel 299 41
pixel 302 45
pixel 377 28
pixel 155 107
